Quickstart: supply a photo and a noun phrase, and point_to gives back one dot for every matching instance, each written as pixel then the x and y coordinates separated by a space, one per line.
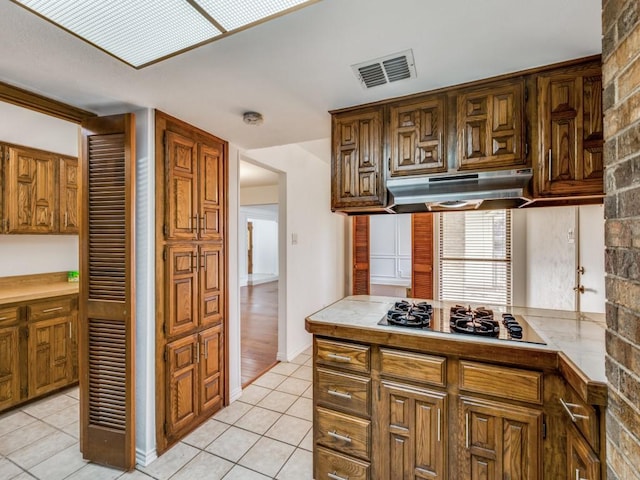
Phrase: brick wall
pixel 621 72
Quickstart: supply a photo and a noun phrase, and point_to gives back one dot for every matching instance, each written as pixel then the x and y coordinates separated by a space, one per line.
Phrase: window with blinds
pixel 475 257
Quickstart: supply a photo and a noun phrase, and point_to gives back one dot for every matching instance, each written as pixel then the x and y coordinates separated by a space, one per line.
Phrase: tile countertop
pixel 579 336
pixel 26 293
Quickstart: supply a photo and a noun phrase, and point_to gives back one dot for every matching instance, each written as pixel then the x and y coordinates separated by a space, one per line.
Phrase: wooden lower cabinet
pixel 50 363
pixel 38 349
pixel 501 440
pixel 9 366
pixel 194 379
pixel 413 432
pixel 582 462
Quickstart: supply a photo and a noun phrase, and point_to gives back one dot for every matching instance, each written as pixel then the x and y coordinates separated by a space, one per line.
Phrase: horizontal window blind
pixel 475 256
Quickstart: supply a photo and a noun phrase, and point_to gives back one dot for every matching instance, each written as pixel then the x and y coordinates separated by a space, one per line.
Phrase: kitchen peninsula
pixel 392 402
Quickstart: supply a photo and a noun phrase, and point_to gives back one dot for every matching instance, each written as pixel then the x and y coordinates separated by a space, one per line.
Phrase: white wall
pixel 145 287
pixel 315 264
pixel 266 195
pixel 266 254
pixel 30 254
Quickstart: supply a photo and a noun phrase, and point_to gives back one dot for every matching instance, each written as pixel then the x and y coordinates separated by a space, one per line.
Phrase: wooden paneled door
pixel 107 297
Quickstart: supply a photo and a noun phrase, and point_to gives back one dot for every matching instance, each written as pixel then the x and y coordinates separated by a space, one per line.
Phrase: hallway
pixel 259 336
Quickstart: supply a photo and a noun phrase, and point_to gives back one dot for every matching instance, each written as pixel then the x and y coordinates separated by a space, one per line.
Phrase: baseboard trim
pixel 296 353
pixel 235 394
pixel 145 458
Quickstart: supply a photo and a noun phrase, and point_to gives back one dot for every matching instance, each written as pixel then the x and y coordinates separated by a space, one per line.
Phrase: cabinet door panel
pixel 571 132
pixel 68 218
pixel 210 192
pixel 181 204
pixel 30 188
pixel 582 463
pixel 211 372
pixel 182 379
pixel 413 438
pixel 9 367
pixel 49 358
pixel 491 127
pixel 357 160
pixel 211 282
pixel 417 133
pixel 182 286
pixel 500 440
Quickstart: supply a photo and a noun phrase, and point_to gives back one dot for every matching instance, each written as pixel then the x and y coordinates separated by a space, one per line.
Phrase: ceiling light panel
pixel 232 14
pixel 137 32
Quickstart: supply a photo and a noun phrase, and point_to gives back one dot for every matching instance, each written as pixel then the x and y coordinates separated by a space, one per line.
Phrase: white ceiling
pixel 297 67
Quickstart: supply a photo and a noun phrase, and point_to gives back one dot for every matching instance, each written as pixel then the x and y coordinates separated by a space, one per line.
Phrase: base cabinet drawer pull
pixel 336 393
pixel 335 476
pixel 573 416
pixel 339 358
pixel 49 310
pixel 337 436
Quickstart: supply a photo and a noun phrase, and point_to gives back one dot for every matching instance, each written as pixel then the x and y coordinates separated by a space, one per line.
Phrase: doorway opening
pixel 259 270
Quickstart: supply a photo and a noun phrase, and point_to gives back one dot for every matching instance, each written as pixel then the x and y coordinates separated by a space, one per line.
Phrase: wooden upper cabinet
pixel 182 187
pixel 418 132
pixel 491 126
pixel 194 189
pixel 68 220
pixel 30 190
pixel 570 127
pixel 357 167
pixel 210 191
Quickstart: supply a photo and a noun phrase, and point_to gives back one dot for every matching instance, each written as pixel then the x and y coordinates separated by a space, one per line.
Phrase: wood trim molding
pixel 33 101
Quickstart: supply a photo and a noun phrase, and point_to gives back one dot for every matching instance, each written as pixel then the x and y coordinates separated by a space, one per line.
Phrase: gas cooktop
pixel 461 320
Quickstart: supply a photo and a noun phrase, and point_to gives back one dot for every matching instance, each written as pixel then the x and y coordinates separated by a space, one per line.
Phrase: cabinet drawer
pixel 344 392
pixel 53 308
pixel 8 316
pixel 504 382
pixel 583 416
pixel 345 355
pixel 344 433
pixel 414 366
pixel 333 466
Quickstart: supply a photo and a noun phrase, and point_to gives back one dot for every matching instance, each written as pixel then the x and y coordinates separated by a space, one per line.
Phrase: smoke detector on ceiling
pixel 382 70
pixel 252 118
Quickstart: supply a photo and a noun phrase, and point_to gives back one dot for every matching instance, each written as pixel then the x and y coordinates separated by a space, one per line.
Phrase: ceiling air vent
pixel 398 66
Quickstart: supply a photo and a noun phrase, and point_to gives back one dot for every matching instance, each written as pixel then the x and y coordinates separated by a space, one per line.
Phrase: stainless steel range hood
pixel 460 191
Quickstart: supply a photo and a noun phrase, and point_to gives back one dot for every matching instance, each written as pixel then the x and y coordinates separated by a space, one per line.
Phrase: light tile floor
pixel 266 434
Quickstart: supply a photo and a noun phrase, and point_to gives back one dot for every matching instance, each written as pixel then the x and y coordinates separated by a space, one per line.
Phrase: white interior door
pixel 591 258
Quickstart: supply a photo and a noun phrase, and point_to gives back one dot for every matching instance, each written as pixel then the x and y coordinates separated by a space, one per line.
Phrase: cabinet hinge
pixel 164 427
pixel 164 331
pixel 25 392
pixel 544 430
pixel 526 149
pixel 165 230
pixel 166 356
pixel 26 333
pixel 164 253
pixel 526 94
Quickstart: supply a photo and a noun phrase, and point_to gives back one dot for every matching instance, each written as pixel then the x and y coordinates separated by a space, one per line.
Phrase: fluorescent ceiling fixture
pixel 142 32
pixel 233 14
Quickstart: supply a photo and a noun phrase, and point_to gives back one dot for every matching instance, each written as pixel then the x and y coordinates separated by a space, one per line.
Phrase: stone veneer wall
pixel 621 80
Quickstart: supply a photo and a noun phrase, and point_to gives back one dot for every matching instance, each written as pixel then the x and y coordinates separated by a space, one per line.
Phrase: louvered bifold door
pixel 107 291
pixel 360 239
pixel 422 255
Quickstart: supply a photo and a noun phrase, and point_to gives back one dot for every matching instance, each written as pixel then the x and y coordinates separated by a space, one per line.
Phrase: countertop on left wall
pixel 25 288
